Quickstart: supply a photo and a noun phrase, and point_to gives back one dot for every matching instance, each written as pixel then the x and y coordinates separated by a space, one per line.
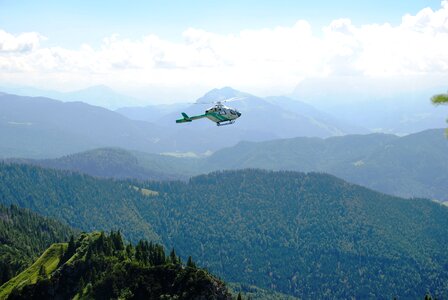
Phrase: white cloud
pixel 269 59
pixel 22 43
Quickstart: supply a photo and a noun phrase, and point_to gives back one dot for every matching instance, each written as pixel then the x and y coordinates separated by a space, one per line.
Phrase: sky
pixel 174 50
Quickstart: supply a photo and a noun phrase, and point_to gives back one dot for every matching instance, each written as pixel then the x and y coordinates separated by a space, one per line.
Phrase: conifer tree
pixel 190 263
pixel 173 257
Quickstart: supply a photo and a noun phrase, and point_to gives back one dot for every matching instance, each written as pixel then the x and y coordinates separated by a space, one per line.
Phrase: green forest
pixel 306 235
pixel 79 200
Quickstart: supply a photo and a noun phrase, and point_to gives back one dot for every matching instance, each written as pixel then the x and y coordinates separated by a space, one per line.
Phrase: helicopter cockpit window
pixel 232 112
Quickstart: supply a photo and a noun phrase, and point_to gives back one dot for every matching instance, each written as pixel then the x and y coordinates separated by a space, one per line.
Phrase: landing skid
pixel 225 123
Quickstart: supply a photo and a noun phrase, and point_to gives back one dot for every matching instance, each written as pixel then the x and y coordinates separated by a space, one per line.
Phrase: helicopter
pixel 219 113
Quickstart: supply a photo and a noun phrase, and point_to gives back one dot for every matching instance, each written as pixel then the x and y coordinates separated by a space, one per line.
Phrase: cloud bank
pixel 267 60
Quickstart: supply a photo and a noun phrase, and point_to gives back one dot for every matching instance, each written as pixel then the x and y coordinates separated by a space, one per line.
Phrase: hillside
pixel 79 200
pixel 48 262
pixel 100 266
pixel 41 128
pixel 109 163
pixel 308 235
pixel 24 235
pixel 409 166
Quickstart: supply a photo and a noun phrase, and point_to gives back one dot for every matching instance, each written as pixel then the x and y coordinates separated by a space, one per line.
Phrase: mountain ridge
pixel 409 166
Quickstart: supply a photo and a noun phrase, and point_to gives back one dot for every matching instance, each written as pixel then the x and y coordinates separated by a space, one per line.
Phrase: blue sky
pixel 171 49
pixel 71 23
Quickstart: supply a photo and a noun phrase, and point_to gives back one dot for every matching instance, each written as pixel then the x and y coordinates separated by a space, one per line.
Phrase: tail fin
pixel 185 118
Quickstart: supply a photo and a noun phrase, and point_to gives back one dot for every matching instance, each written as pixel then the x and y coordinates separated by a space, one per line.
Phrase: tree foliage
pixel 440 99
pixel 101 268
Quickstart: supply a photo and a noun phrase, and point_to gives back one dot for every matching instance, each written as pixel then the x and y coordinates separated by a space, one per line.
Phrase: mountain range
pixel 37 127
pixel 409 166
pixel 375 103
pixel 347 103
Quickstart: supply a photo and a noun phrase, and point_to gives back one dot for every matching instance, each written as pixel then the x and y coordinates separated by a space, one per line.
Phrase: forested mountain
pixel 100 266
pixel 24 235
pixel 111 163
pixel 409 166
pixel 79 200
pixel 309 235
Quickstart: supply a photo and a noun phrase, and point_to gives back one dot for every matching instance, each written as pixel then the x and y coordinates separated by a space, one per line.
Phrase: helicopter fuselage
pixel 220 114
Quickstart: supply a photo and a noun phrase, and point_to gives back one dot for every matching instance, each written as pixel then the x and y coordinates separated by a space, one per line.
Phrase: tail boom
pixel 186 118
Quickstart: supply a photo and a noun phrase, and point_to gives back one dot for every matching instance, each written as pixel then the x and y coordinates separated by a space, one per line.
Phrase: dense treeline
pixel 79 200
pixel 101 266
pixel 309 235
pixel 24 235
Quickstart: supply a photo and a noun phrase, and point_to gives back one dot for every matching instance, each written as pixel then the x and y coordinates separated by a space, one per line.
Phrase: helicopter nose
pixel 239 114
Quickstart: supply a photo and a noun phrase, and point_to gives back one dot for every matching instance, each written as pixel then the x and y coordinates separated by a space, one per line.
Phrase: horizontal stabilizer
pixel 185 119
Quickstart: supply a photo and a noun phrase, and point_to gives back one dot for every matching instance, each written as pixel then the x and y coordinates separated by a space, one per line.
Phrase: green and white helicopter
pixel 219 113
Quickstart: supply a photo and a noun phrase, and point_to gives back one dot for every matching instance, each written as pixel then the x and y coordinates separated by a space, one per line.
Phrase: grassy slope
pixel 49 259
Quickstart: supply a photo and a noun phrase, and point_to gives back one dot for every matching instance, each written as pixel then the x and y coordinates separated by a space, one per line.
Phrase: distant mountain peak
pixel 220 94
